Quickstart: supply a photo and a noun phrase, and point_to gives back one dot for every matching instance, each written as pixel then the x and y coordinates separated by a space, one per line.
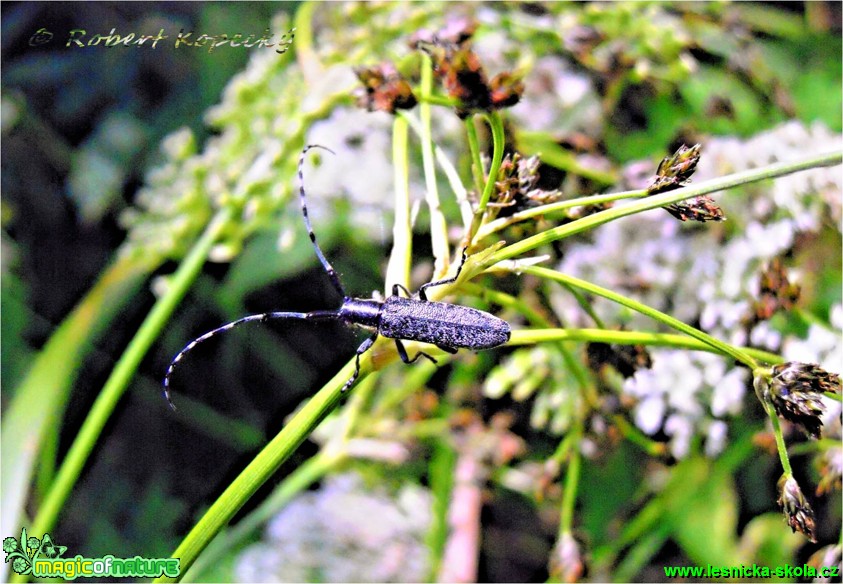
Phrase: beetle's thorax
pixel 362 311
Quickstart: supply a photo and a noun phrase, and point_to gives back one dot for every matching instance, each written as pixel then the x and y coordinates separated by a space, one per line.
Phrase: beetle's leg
pixel 365 346
pixel 402 352
pixel 423 294
pixel 396 287
pixel 450 350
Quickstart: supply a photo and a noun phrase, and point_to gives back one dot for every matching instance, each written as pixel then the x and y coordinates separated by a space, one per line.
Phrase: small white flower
pixel 649 415
pixel 716 439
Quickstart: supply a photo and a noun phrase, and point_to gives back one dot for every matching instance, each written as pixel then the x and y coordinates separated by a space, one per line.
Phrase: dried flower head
pixel 384 89
pixel 795 507
pixel 795 391
pixel 461 72
pixel 464 79
pixel 699 209
pixel 515 187
pixel 776 293
pixel 674 171
pixel 506 89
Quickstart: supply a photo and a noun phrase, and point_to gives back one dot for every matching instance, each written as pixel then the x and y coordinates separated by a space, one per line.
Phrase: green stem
pixel 448 168
pixel 780 445
pixel 261 469
pixel 32 411
pixel 533 336
pixel 305 53
pixel 122 375
pixel 542 210
pixel 438 99
pixel 572 481
pixel 656 201
pixel 300 479
pixel 637 437
pixel 398 268
pixel 657 315
pixel 474 148
pixel 498 141
pixel 506 301
pixel 438 226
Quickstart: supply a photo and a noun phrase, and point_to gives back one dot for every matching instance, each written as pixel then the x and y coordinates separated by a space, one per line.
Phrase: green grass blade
pixel 39 400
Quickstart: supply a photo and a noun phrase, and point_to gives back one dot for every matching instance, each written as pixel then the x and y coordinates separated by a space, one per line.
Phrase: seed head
pixel 462 74
pixel 506 89
pixel 674 171
pixel 515 187
pixel 795 507
pixel 384 89
pixel 699 209
pixel 795 390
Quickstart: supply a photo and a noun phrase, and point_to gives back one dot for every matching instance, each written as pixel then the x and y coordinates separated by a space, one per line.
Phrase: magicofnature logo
pixel 42 558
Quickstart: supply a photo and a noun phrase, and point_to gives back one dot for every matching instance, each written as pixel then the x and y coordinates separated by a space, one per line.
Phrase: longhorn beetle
pixel 448 326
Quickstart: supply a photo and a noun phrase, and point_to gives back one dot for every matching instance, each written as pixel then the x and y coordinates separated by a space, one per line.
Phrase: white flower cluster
pixel 344 532
pixel 708 274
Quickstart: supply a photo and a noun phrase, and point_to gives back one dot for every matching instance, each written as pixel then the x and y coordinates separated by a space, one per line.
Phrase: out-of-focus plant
pixel 642 388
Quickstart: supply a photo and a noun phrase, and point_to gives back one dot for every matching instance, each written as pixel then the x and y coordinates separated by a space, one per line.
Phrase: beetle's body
pixel 448 326
pixel 438 323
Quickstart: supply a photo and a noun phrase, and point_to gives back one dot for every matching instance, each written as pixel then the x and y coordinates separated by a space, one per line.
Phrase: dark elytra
pixel 448 326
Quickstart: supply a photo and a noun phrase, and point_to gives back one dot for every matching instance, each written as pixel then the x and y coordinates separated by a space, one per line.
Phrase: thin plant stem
pixel 657 315
pixel 656 201
pixel 438 226
pixel 474 148
pixel 398 268
pixel 262 467
pixel 572 481
pixel 123 372
pixel 507 301
pixel 542 210
pixel 498 141
pixel 780 445
pixel 533 336
pixel 448 168
pixel 306 54
pixel 296 482
pixel 439 100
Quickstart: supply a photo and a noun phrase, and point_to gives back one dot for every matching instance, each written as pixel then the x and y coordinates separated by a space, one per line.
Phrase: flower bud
pixel 795 507
pixel 674 171
pixel 795 391
pixel 566 563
